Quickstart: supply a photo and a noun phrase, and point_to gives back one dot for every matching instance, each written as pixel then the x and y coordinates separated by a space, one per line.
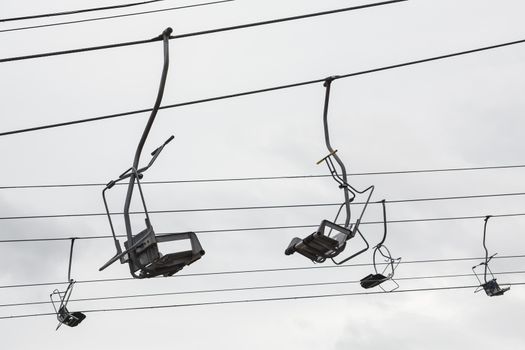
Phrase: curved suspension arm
pixel 344 185
pixel 485 247
pixel 133 175
pixel 380 244
pixel 383 204
pixel 70 259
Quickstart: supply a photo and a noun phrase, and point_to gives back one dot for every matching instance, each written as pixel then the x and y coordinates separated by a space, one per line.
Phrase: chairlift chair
pixel 376 279
pixel 141 250
pixel 322 244
pixel 64 316
pixel 489 285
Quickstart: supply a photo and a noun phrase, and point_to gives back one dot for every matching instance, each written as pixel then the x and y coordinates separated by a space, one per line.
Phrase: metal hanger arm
pixel 327 85
pixel 165 36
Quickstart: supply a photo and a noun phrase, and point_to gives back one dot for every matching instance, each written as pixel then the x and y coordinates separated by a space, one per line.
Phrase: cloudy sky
pixel 460 112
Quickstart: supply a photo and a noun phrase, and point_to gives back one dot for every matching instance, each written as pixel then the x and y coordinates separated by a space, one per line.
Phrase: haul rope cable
pixel 114 16
pixel 262 228
pixel 283 177
pixel 301 297
pixel 260 207
pixel 204 32
pixel 223 290
pixel 238 94
pixel 74 12
pixel 284 269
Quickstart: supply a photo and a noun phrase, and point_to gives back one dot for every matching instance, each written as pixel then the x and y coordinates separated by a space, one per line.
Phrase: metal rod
pixel 70 259
pixel 484 246
pixel 384 224
pixel 327 85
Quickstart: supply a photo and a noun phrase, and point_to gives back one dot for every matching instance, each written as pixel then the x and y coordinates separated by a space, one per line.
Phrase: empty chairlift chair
pixel 330 239
pixel 488 283
pixel 59 300
pixel 141 250
pixel 376 279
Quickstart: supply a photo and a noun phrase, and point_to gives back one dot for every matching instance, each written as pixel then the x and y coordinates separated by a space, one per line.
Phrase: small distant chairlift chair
pixel 490 286
pixel 376 279
pixel 64 316
pixel 321 244
pixel 141 250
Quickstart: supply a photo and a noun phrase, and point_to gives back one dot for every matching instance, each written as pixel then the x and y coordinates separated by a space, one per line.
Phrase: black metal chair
pixel 489 285
pixel 321 244
pixel 64 316
pixel 376 279
pixel 141 250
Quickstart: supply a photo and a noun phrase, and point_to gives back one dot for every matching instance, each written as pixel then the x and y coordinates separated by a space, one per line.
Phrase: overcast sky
pixel 460 112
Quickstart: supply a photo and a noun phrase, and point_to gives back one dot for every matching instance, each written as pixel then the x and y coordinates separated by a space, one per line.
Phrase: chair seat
pixel 169 264
pixel 492 288
pixel 373 280
pixel 71 319
pixel 316 247
pixel 151 263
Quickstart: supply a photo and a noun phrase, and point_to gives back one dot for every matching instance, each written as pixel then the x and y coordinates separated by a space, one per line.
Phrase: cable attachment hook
pixel 165 34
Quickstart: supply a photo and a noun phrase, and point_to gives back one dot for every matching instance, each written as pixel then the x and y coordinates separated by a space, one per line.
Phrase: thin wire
pixel 239 94
pixel 261 178
pixel 114 16
pixel 238 289
pixel 297 297
pixel 204 32
pixel 262 228
pixel 283 269
pixel 286 206
pixel 74 12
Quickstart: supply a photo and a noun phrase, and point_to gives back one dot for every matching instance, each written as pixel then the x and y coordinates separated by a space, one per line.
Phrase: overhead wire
pixel 270 228
pixel 199 33
pixel 252 288
pixel 225 302
pixel 233 95
pixel 282 177
pixel 267 270
pixel 261 207
pixel 114 16
pixel 75 12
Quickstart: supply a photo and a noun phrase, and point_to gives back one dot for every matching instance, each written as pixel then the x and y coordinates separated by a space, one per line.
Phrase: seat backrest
pixel 146 249
pixel 71 319
pixel 492 288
